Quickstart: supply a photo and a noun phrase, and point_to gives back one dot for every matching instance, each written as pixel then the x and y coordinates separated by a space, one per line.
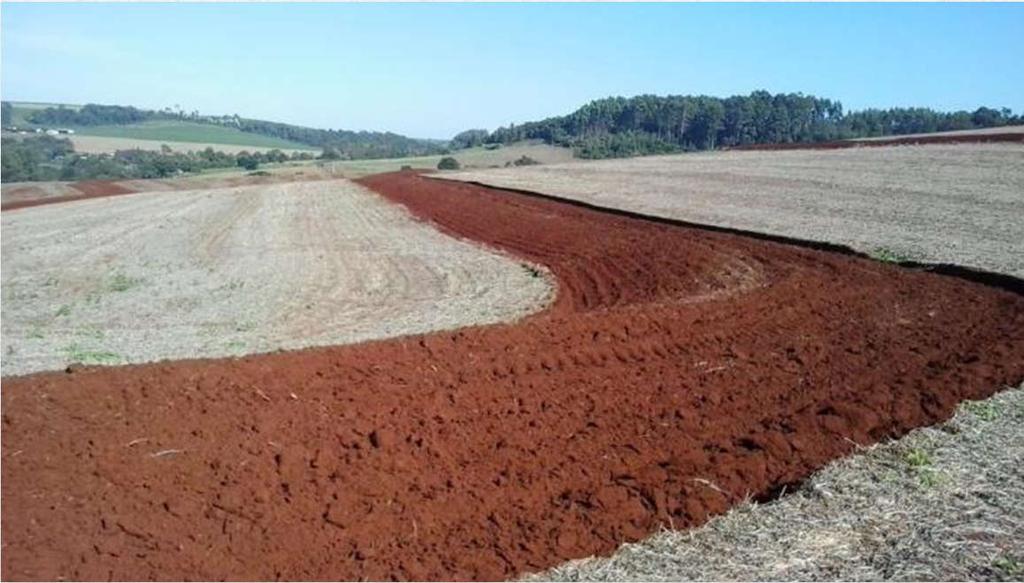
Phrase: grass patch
pixel 64 310
pixel 1009 567
pixel 887 255
pixel 920 462
pixel 77 353
pixel 235 345
pixel 121 283
pixel 984 410
pixel 918 458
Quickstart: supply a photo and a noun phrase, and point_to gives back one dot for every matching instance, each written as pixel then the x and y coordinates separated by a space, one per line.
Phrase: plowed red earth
pixel 679 371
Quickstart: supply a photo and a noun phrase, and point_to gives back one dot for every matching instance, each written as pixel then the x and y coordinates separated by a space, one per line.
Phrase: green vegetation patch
pixel 187 131
pixel 79 354
pixel 887 255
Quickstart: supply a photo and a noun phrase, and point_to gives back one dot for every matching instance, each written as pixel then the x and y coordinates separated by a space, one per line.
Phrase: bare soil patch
pixel 679 372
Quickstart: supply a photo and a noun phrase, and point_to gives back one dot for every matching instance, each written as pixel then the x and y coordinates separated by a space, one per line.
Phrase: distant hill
pixel 178 126
pixel 650 124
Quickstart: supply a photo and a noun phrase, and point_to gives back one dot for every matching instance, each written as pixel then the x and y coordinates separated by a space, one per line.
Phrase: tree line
pixel 43 157
pixel 343 143
pixel 650 124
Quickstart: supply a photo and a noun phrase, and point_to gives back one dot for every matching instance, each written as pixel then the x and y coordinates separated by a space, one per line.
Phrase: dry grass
pixel 943 204
pixel 469 158
pixel 232 271
pixel 109 145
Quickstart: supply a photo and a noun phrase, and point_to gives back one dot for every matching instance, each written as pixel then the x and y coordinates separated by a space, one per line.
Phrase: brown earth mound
pixel 680 371
pixel 980 138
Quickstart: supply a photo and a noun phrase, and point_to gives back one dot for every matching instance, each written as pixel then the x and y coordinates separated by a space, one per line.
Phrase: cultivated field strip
pixel 958 204
pixel 678 373
pixel 234 271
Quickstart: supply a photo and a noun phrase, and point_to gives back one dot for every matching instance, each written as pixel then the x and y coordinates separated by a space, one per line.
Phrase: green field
pixel 187 131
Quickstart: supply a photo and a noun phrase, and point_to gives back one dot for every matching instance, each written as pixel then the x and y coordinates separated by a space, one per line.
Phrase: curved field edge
pixel 942 503
pixel 235 271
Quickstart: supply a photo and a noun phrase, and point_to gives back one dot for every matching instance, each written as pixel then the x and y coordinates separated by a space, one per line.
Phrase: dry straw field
pixel 205 273
pixel 939 203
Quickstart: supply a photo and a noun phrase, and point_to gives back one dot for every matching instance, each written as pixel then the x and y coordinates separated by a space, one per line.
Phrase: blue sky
pixel 432 70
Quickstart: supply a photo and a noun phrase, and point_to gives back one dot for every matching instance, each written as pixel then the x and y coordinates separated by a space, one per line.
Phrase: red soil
pixel 87 188
pixel 26 195
pixel 679 371
pixel 1008 137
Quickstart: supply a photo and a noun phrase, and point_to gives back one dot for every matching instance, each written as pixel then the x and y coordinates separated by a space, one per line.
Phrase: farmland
pixel 92 144
pixel 197 135
pixel 677 372
pixel 232 271
pixel 938 203
pixel 179 134
pixel 480 157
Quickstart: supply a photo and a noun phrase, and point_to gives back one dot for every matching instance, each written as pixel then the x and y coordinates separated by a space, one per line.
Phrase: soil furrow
pixel 679 371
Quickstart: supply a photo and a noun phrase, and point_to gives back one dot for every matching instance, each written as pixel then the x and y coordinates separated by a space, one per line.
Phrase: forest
pixel 650 124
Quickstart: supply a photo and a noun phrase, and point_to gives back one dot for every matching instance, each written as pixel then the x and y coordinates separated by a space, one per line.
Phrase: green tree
pixel 448 163
pixel 248 161
pixel 469 139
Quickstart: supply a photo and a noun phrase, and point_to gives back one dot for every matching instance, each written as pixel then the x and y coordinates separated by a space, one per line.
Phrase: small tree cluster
pixel 448 163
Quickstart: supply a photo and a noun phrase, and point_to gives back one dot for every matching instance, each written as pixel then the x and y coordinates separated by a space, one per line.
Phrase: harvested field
pixel 1010 135
pixel 939 204
pixel 678 372
pixel 110 144
pixel 1007 130
pixel 238 270
pixel 479 157
pixel 18 195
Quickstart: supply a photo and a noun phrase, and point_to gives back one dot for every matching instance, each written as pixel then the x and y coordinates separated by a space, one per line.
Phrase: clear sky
pixel 432 70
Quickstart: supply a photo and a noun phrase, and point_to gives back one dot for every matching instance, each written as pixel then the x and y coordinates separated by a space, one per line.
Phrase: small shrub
pixel 525 160
pixel 406 167
pixel 448 163
pixel 533 271
pixel 248 162
pixel 121 282
pixel 886 255
pixel 918 458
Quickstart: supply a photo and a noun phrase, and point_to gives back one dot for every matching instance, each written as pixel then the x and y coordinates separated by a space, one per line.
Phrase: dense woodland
pixel 650 124
pixel 346 144
pixel 42 157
